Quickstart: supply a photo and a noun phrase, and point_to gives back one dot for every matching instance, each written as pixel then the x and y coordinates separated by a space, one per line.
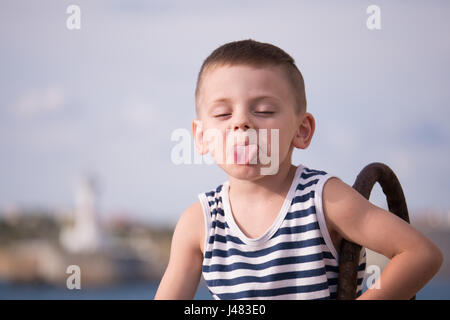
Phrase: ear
pixel 197 131
pixel 305 131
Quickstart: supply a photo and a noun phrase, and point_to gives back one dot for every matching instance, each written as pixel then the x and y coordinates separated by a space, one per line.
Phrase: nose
pixel 241 121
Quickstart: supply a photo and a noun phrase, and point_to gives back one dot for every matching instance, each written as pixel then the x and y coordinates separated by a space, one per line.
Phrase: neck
pixel 267 185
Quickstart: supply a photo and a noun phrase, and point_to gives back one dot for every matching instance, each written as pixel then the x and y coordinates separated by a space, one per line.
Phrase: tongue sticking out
pixel 245 154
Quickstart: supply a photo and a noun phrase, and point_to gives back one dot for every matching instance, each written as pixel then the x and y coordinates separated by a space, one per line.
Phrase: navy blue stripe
pixel 219 224
pixel 327 255
pixel 303 197
pixel 332 268
pixel 300 213
pixel 281 231
pixel 210 193
pixel 224 239
pixel 215 202
pixel 306 175
pixel 332 281
pixel 314 170
pixel 274 292
pixel 329 268
pixel 324 298
pixel 312 174
pixel 262 266
pixel 302 187
pixel 265 251
pixel 217 211
pixel 268 278
pixel 297 229
pixel 213 192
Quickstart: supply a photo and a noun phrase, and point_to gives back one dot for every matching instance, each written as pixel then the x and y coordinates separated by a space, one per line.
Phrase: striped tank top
pixel 294 259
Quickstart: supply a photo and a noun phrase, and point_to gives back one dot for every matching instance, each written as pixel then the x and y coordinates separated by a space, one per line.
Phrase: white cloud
pixel 342 139
pixel 139 112
pixel 34 102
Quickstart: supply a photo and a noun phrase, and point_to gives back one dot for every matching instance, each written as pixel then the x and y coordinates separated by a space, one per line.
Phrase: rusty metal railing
pixel 350 252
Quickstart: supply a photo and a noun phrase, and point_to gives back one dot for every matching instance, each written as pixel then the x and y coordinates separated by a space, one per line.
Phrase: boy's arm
pixel 183 273
pixel 414 258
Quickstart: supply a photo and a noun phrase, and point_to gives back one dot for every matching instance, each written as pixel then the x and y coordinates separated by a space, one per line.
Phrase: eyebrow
pixel 253 99
pixel 265 97
pixel 220 100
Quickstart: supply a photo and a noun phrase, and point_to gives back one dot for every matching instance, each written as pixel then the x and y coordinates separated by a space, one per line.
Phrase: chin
pixel 242 172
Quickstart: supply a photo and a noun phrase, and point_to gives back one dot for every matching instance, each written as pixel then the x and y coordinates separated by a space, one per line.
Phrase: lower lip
pixel 245 155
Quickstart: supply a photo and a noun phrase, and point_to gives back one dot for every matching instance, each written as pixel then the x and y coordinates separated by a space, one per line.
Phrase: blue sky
pixel 105 99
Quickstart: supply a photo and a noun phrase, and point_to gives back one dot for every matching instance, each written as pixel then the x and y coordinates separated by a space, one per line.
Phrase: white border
pixel 206 219
pixel 320 214
pixel 278 220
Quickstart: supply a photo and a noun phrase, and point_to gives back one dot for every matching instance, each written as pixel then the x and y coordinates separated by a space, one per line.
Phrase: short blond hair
pixel 254 53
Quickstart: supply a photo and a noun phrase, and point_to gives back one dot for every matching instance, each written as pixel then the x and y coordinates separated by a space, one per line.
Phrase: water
pixel 436 289
pixel 138 291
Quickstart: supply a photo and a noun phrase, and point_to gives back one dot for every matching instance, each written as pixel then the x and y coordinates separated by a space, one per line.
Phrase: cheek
pixel 216 141
pixel 279 140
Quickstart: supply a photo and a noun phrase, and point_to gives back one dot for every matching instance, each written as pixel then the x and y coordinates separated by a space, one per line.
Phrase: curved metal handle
pixel 349 251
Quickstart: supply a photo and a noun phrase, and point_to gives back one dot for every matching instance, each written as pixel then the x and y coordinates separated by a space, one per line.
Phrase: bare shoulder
pixel 183 272
pixel 336 190
pixel 343 205
pixel 193 214
pixel 190 226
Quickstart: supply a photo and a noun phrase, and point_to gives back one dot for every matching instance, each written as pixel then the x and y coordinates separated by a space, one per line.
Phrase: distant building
pixel 85 235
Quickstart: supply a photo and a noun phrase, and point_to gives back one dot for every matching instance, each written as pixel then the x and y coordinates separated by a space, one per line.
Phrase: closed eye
pixel 222 115
pixel 264 112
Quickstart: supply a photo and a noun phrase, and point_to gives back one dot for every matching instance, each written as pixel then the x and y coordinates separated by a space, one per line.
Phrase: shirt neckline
pixel 229 218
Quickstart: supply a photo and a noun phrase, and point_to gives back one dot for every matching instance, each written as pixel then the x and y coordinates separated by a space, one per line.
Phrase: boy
pixel 276 234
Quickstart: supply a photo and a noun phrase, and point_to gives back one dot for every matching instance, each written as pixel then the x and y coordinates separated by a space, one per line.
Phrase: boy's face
pixel 237 101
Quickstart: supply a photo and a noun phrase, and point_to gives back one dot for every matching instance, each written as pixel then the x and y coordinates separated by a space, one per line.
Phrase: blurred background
pixel 86 117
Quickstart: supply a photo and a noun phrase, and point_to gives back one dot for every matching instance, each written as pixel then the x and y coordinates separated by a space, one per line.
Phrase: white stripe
pixel 308 235
pixel 298 206
pixel 297 222
pixel 263 259
pixel 270 285
pixel 303 205
pixel 282 238
pixel 306 180
pixel 265 272
pixel 295 296
pixel 330 262
pixel 333 288
pixel 308 189
pixel 295 207
pixel 332 275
